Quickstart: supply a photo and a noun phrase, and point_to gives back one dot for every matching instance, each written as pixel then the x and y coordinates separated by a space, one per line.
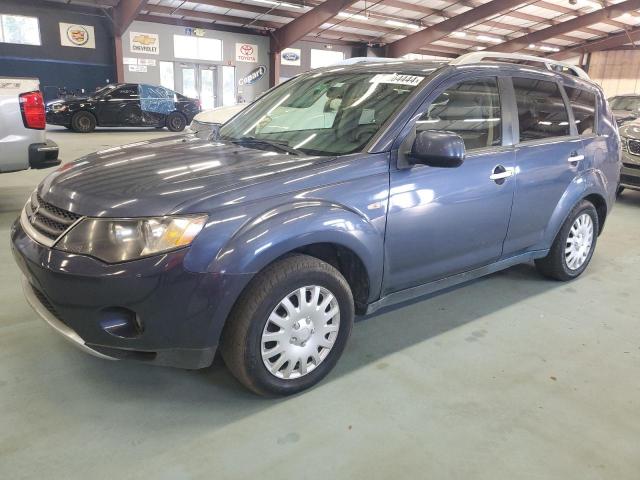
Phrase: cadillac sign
pixel 253 76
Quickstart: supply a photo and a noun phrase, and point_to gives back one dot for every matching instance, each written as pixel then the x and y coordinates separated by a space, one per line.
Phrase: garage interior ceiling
pixel 444 28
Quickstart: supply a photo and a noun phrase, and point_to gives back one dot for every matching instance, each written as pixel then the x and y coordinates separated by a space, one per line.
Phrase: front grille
pixel 635 166
pixel 633 146
pixel 48 220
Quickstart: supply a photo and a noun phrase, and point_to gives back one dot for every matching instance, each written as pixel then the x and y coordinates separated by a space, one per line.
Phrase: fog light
pixel 121 322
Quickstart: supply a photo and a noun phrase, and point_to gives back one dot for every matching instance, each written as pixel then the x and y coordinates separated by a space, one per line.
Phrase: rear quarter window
pixel 583 105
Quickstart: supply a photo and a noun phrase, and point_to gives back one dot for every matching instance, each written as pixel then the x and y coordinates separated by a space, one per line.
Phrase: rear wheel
pixel 574 245
pixel 289 326
pixel 176 122
pixel 83 122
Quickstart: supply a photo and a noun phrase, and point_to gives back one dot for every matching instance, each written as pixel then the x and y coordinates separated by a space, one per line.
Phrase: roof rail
pixel 475 57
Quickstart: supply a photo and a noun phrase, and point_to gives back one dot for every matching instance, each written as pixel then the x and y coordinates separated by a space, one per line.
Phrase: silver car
pixel 22 122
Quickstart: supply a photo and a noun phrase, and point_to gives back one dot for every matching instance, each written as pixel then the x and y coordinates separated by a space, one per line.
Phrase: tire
pixel 564 264
pixel 619 191
pixel 176 122
pixel 83 122
pixel 251 318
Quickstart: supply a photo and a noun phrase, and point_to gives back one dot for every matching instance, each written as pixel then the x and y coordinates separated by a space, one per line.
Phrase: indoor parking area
pixel 352 239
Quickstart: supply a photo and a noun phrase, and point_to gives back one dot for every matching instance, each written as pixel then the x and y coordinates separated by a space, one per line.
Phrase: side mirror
pixel 437 149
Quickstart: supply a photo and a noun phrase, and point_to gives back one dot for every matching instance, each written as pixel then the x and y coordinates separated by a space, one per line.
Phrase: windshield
pixel 324 113
pixel 631 104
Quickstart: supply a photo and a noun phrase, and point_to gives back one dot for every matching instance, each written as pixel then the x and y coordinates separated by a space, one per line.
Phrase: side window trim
pixel 408 131
pixel 573 130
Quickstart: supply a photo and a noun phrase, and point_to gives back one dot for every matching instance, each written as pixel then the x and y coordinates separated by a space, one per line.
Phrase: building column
pixel 119 61
pixel 274 63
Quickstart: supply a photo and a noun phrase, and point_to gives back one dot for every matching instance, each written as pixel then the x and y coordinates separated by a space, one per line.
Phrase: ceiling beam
pixel 301 26
pixel 125 13
pixel 212 17
pixel 440 30
pixel 603 43
pixel 576 12
pixel 585 20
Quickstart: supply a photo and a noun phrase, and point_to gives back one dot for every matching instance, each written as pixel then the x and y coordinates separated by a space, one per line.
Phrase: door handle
pixel 575 158
pixel 500 173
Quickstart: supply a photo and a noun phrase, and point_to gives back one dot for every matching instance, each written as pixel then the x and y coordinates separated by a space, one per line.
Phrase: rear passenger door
pixel 549 156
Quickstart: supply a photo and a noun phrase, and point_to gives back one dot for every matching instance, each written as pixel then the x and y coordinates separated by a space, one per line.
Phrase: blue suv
pixel 341 191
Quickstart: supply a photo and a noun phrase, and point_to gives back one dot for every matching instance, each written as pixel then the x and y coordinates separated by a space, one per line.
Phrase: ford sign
pixel 253 76
pixel 290 56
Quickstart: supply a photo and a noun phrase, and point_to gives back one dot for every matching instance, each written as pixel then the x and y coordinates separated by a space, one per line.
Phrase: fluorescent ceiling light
pixel 459 34
pixel 487 38
pixel 396 23
pixel 590 4
pixel 278 4
pixel 532 45
pixel 549 49
pixel 352 15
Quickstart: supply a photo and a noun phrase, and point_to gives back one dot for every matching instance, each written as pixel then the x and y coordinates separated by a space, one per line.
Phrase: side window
pixel 583 104
pixel 129 92
pixel 541 109
pixel 470 109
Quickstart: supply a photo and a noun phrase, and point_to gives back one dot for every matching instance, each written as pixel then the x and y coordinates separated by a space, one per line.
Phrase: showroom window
pixel 541 109
pixel 324 58
pixel 19 29
pixel 470 109
pixel 583 104
pixel 197 48
pixel 166 75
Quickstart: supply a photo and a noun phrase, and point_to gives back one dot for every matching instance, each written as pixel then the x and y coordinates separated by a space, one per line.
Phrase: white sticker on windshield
pixel 397 78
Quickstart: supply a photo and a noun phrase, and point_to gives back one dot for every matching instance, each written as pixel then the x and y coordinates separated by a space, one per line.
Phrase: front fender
pixel 278 231
pixel 591 181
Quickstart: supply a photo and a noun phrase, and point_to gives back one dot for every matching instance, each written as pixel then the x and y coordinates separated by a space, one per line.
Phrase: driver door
pixel 444 221
pixel 121 108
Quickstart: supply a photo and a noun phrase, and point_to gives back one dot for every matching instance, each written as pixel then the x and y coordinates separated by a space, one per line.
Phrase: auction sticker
pixel 397 78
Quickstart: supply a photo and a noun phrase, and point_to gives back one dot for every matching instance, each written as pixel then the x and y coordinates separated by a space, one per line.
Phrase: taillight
pixel 32 108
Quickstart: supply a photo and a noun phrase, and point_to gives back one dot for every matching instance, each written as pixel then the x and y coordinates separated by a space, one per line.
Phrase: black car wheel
pixel 289 326
pixel 574 245
pixel 176 122
pixel 83 122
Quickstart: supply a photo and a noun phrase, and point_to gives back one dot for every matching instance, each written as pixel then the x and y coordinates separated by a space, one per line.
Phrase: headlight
pixel 623 141
pixel 119 240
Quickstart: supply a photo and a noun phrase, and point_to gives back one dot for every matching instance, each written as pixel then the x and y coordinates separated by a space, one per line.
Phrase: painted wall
pixel 166 53
pixel 617 71
pixel 287 71
pixel 57 66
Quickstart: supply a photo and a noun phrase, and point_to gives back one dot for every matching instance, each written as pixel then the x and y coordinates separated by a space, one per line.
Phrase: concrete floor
pixel 510 377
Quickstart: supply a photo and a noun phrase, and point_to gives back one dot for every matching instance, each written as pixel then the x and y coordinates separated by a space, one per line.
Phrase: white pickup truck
pixel 23 143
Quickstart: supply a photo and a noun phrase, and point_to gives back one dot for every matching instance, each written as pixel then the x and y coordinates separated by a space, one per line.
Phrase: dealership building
pixel 319 239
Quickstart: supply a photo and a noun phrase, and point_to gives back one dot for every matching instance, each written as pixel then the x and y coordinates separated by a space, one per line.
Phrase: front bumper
pixel 180 313
pixel 630 172
pixel 58 118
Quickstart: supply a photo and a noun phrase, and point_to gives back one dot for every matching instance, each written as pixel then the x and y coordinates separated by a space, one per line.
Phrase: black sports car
pixel 124 105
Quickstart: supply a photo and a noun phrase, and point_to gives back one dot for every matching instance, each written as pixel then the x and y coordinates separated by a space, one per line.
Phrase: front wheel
pixel 83 122
pixel 289 326
pixel 176 122
pixel 574 245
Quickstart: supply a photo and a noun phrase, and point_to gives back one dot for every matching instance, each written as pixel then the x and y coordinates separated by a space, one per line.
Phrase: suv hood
pixel 164 176
pixel 630 130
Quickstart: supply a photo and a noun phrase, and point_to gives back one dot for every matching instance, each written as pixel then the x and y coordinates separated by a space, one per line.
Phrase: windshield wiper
pixel 259 142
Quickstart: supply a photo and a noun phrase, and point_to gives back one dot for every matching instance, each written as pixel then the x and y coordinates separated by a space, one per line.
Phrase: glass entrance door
pixel 198 81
